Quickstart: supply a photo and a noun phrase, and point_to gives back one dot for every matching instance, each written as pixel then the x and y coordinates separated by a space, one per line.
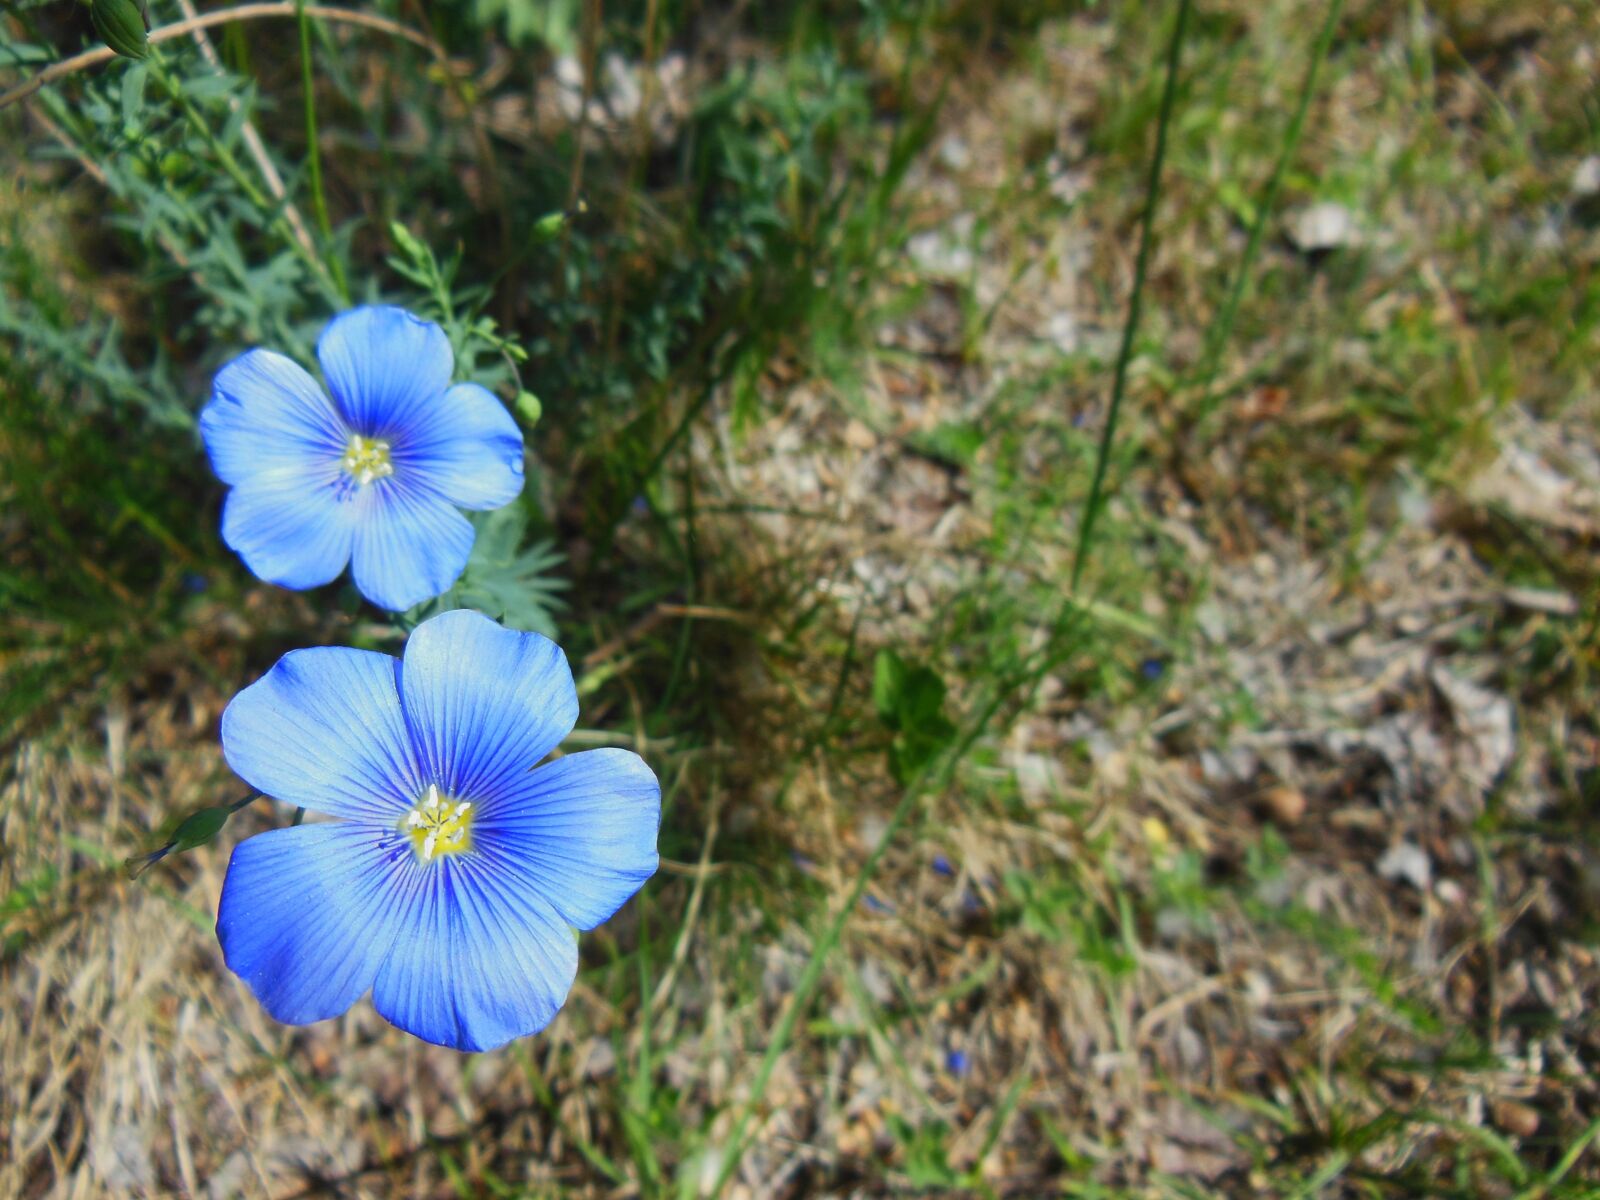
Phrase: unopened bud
pixel 120 24
pixel 529 408
pixel 198 828
pixel 547 226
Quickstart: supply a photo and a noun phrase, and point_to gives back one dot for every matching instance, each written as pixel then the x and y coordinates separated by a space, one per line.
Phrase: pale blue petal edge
pixel 267 414
pixel 290 529
pixel 384 367
pixel 467 447
pixel 580 831
pixel 309 913
pixel 481 962
pixel 323 730
pixel 410 544
pixel 484 703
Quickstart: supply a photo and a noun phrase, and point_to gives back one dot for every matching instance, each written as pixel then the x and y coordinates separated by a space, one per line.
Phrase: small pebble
pixel 1404 861
pixel 1285 805
pixel 1519 1119
pixel 1323 227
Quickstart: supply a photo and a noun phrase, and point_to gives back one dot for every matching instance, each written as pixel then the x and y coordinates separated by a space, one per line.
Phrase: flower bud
pixel 200 827
pixel 120 24
pixel 547 226
pixel 529 408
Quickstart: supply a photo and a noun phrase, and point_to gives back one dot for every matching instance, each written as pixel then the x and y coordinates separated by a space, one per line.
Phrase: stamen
pixel 438 824
pixel 366 459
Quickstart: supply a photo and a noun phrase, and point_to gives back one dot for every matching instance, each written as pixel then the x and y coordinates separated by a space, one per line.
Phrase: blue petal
pixel 323 729
pixel 266 414
pixel 384 366
pixel 410 545
pixel 467 447
pixel 580 831
pixel 484 704
pixel 291 528
pixel 309 913
pixel 482 960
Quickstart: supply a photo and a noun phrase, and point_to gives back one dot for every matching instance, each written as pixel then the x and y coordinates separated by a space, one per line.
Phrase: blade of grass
pixel 1221 328
pixel 1559 1172
pixel 319 200
pixel 1130 328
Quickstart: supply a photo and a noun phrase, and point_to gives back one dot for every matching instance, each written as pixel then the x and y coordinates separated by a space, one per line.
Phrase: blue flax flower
pixel 452 882
pixel 371 478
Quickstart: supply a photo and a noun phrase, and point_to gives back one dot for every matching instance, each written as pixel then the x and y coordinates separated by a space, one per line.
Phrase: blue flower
pixel 452 881
pixel 372 478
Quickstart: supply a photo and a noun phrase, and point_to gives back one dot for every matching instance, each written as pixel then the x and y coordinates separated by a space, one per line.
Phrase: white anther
pixel 428 844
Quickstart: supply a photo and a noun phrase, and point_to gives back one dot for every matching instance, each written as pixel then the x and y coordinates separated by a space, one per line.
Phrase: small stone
pixel 1522 1120
pixel 1586 177
pixel 1323 227
pixel 1407 862
pixel 600 1060
pixel 1285 805
pixel 1450 892
pixel 120 1156
pixel 954 152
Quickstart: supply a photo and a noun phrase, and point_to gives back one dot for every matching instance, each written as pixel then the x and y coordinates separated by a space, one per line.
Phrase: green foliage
pixel 521 22
pixel 473 336
pixel 954 442
pixel 926 1152
pixel 1058 907
pixel 910 703
pixel 507 577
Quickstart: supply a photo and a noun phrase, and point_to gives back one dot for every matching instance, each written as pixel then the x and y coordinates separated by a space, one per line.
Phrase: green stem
pixel 231 167
pixel 1130 328
pixel 319 200
pixel 224 156
pixel 1222 325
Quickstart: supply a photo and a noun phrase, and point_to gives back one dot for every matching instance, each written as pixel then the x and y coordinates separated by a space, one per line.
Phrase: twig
pixel 681 951
pixel 252 139
pixel 245 12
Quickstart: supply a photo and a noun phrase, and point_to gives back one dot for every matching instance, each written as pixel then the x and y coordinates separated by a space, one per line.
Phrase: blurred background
pixel 1172 781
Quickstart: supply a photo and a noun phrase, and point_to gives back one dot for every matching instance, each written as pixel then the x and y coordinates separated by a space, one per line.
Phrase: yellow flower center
pixel 438 825
pixel 366 459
